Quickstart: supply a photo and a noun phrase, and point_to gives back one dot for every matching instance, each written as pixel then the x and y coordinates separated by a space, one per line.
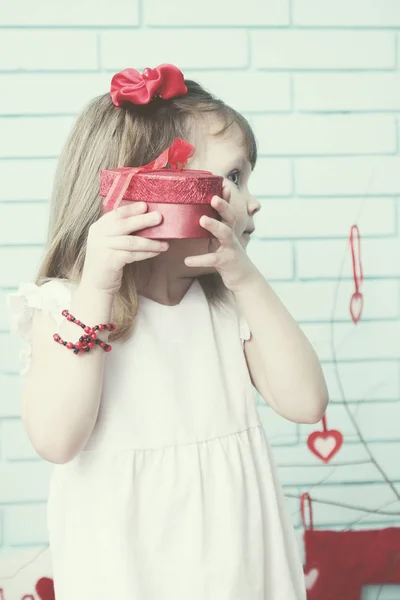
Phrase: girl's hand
pixel 230 258
pixel 110 246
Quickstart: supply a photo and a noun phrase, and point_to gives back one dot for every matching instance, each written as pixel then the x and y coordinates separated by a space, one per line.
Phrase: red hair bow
pixel 129 85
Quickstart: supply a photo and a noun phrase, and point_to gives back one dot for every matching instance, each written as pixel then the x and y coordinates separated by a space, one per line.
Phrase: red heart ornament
pixel 45 589
pixel 325 444
pixel 310 578
pixel 356 306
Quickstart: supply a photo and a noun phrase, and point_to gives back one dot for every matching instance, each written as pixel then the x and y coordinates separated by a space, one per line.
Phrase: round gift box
pixel 182 198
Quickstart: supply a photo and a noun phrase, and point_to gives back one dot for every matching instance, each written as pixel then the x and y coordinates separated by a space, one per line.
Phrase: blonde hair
pixel 105 137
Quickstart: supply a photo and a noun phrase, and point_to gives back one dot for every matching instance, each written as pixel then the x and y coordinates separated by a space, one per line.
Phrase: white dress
pixel 176 495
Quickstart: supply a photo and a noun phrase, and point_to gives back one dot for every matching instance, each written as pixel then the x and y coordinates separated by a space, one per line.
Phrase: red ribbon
pixel 357 300
pixel 175 156
pixel 166 81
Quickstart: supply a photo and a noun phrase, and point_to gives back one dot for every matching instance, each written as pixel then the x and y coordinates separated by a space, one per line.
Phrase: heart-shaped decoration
pixel 356 306
pixel 45 589
pixel 310 578
pixel 325 444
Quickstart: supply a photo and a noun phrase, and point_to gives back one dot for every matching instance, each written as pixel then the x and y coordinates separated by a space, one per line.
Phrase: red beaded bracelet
pixel 88 341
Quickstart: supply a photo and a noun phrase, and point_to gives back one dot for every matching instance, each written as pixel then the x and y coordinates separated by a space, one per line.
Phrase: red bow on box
pixel 176 156
pixel 129 85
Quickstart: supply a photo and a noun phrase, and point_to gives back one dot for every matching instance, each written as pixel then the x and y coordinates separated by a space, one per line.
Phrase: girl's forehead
pixel 213 136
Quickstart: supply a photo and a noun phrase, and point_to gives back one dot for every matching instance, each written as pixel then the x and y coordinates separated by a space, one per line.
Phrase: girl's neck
pixel 165 290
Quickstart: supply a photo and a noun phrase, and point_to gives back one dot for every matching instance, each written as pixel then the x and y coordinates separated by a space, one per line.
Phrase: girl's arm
pixel 283 366
pixel 61 398
pixel 61 394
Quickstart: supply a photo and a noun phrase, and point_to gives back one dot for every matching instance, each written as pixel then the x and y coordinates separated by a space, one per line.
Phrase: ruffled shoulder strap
pixel 52 297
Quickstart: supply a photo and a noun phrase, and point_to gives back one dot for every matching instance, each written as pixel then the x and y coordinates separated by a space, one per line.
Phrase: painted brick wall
pixel 319 80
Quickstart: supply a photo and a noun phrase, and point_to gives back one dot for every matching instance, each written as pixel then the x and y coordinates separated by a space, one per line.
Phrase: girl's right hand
pixel 110 246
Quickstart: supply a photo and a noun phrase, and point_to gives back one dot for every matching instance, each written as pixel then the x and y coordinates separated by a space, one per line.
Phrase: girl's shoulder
pixel 52 297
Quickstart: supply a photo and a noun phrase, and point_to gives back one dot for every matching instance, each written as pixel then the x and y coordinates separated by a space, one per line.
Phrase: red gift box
pixel 181 196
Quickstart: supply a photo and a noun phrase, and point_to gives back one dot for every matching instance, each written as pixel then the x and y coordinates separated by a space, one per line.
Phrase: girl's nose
pixel 254 205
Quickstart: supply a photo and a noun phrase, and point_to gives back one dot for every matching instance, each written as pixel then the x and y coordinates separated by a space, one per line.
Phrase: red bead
pixel 102 344
pixel 64 313
pixel 69 318
pixel 108 349
pixel 91 345
pixel 78 345
pixel 101 327
pixel 78 322
pixel 88 329
pixel 93 336
pixel 69 345
pixel 56 337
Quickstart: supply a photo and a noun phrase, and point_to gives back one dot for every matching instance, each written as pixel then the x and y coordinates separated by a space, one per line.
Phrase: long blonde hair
pixel 105 137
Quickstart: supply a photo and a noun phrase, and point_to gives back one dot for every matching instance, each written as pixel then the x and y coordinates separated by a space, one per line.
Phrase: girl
pixel 164 486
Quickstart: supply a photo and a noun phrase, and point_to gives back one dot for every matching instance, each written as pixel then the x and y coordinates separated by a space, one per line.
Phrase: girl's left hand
pixel 229 258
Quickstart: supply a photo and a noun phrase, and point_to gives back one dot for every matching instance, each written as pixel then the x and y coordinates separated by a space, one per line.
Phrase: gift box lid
pixel 166 185
pixel 163 180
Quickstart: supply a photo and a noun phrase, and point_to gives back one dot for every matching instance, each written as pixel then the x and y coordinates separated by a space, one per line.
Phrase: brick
pixel 15 443
pixel 272 177
pixel 279 430
pixel 10 348
pixel 19 264
pixel 297 49
pixel 347 91
pixel 363 381
pixel 287 218
pixel 10 404
pixel 319 134
pixel 23 223
pixel 273 259
pixel 313 300
pixel 370 497
pixel 24 481
pixel 50 94
pixel 270 91
pixel 224 48
pixel 298 466
pixel 354 176
pixel 327 259
pixel 33 137
pixel 29 50
pixel 376 420
pixel 25 524
pixel 35 184
pixel 221 13
pixel 91 13
pixel 347 13
pixel 370 340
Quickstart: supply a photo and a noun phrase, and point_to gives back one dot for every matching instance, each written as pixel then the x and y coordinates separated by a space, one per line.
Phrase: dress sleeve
pixel 51 297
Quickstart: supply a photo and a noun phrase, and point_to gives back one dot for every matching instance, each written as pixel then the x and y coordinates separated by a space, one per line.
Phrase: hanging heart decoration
pixel 326 443
pixel 357 300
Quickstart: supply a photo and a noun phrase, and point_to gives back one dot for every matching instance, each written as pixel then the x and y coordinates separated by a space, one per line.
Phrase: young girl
pixel 164 486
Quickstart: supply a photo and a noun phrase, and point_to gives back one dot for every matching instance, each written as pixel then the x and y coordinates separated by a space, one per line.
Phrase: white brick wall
pixel 319 81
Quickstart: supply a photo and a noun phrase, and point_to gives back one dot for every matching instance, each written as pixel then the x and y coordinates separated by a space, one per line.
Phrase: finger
pixel 220 230
pixel 132 243
pixel 136 223
pixel 224 209
pixel 129 210
pixel 202 260
pixel 139 256
pixel 226 192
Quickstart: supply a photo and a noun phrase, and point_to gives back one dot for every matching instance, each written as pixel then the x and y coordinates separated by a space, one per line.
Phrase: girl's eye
pixel 234 176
